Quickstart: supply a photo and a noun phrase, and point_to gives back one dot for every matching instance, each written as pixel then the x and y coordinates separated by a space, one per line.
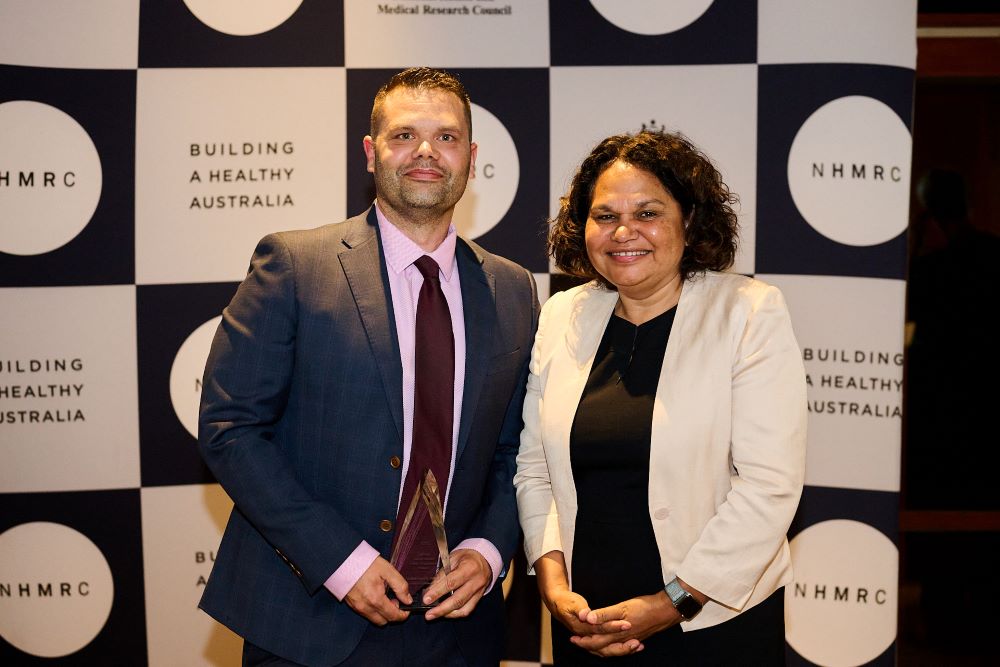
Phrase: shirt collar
pixel 401 252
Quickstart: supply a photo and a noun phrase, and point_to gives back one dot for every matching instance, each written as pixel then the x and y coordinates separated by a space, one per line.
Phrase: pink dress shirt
pixel 404 285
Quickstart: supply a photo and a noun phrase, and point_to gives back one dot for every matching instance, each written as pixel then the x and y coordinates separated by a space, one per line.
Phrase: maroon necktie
pixel 433 420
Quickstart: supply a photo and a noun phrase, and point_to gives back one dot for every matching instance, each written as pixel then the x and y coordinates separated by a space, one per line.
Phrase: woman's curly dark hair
pixel 685 172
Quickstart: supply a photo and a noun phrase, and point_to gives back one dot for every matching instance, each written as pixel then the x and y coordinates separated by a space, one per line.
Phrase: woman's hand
pixel 620 629
pixel 567 607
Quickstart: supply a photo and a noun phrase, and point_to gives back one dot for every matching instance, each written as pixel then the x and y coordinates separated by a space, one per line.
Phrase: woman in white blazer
pixel 663 450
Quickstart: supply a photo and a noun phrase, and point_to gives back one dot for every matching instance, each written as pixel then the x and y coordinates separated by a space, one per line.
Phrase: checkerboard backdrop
pixel 145 145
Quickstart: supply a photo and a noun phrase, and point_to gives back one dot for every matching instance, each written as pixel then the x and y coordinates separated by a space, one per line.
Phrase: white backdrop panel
pixel 847 31
pixel 242 152
pixel 97 34
pixel 68 390
pixel 850 333
pixel 714 105
pixel 181 529
pixel 444 33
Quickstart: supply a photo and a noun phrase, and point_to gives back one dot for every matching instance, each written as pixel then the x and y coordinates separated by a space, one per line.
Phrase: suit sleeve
pixel 245 390
pixel 768 446
pixel 497 519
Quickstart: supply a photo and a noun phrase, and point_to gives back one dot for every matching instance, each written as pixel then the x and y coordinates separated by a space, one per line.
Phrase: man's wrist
pixel 490 554
pixel 344 577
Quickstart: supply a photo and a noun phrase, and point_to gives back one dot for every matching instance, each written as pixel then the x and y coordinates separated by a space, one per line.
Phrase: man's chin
pixel 429 201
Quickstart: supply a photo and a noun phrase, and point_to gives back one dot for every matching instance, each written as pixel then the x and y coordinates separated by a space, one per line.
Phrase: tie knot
pixel 428 267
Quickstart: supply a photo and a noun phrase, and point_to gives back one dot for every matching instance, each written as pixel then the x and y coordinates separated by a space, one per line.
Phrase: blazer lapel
pixel 479 305
pixel 591 309
pixel 362 263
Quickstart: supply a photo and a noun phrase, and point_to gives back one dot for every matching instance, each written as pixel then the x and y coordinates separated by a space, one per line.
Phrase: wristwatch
pixel 685 603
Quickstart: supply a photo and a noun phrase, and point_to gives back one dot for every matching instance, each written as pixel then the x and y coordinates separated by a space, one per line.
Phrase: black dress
pixel 615 556
pixel 614 552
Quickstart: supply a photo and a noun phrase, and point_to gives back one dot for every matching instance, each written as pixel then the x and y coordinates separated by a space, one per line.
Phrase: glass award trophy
pixel 424 506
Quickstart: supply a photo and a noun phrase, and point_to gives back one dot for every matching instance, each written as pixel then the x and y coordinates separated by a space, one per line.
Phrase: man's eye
pixel 447 137
pixel 404 135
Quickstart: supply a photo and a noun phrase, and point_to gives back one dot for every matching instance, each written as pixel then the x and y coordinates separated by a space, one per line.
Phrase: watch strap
pixel 685 603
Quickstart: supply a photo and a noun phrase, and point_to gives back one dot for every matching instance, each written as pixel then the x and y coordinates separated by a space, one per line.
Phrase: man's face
pixel 422 156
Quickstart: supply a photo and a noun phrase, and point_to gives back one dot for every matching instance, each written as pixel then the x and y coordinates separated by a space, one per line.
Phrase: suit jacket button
pixel 395 462
pixel 385 525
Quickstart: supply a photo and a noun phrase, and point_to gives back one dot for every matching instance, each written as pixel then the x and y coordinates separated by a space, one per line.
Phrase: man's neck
pixel 425 228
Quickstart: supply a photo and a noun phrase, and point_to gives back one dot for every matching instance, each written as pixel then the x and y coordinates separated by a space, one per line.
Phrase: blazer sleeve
pixel 496 520
pixel 535 501
pixel 244 394
pixel 768 446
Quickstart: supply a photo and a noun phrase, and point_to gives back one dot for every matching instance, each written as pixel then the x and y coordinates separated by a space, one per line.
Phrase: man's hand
pixel 368 596
pixel 645 615
pixel 470 575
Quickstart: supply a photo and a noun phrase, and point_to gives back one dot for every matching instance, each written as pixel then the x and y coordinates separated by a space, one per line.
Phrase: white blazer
pixel 727 458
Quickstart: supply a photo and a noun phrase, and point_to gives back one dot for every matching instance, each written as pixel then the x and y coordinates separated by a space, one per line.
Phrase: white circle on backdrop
pixel 849 171
pixel 651 17
pixel 52 178
pixel 186 373
pixel 70 589
pixel 489 195
pixel 841 609
pixel 243 17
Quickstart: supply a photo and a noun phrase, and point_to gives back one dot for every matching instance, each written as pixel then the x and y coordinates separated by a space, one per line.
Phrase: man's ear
pixel 473 149
pixel 369 144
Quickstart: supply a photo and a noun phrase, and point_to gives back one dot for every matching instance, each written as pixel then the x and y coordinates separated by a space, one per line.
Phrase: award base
pixel 418 606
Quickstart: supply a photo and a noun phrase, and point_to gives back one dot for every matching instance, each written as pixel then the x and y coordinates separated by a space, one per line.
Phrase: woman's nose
pixel 623 232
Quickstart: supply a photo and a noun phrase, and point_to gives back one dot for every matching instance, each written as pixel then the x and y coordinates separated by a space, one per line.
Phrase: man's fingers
pixel 368 597
pixel 460 604
pixel 440 586
pixel 466 582
pixel 394 580
pixel 379 609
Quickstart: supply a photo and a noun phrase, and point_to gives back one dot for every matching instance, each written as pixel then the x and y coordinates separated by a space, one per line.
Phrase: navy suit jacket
pixel 302 413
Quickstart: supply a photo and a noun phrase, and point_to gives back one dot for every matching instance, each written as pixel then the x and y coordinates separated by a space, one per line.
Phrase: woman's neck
pixel 638 306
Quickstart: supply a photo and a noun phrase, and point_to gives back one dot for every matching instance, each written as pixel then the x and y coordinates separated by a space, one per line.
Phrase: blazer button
pixel 385 525
pixel 395 462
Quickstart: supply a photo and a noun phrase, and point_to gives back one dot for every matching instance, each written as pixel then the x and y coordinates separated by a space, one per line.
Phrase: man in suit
pixel 312 411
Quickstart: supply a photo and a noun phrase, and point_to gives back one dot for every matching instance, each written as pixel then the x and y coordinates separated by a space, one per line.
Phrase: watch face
pixel 688 606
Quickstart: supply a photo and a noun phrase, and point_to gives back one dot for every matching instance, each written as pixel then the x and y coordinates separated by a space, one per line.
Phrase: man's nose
pixel 425 149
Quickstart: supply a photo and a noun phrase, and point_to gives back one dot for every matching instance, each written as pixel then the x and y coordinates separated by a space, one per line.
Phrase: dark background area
pixel 950 510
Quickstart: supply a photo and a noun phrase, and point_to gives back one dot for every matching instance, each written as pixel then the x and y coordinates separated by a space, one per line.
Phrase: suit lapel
pixel 479 306
pixel 362 263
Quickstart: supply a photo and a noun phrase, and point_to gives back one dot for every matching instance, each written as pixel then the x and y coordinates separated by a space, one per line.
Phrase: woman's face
pixel 635 231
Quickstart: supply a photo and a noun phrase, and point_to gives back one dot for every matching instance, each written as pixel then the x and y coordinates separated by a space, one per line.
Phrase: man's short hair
pixel 422 78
